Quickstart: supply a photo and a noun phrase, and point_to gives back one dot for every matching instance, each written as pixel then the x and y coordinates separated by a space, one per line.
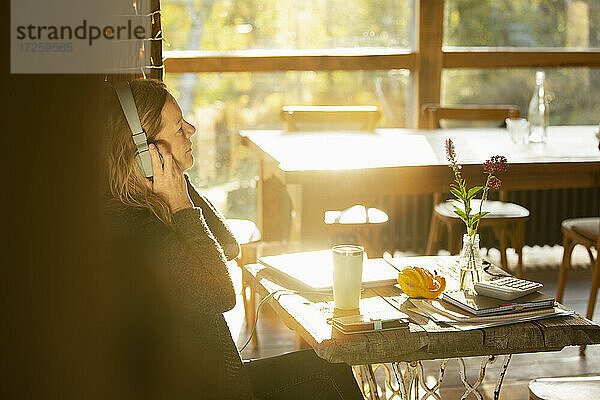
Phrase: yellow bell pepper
pixel 419 282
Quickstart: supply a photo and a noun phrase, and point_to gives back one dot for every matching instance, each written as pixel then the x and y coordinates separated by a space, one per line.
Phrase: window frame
pixel 426 62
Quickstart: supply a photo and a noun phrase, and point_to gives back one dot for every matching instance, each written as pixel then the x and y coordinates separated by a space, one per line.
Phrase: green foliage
pixel 523 23
pixel 473 191
pixel 477 217
pixel 464 195
pixel 461 214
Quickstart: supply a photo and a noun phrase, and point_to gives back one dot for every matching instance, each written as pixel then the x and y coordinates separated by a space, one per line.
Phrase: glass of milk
pixel 347 275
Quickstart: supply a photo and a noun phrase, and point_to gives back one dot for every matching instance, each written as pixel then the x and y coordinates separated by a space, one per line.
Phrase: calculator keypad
pixel 514 283
pixel 507 288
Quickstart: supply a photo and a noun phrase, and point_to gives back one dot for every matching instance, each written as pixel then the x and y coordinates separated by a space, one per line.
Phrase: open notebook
pixel 313 270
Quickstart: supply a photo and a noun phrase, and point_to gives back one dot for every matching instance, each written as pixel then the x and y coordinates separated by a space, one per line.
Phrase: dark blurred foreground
pixel 78 319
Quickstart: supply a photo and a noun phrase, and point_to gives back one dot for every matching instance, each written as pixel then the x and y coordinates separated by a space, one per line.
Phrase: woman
pixel 174 244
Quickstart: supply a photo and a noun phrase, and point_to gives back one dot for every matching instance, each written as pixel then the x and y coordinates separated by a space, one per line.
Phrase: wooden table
pixel 423 340
pixel 333 170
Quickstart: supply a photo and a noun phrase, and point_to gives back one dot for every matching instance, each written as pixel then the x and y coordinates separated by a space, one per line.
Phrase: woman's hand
pixel 168 181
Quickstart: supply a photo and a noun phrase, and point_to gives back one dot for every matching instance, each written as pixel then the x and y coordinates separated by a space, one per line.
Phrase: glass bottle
pixel 538 113
pixel 471 264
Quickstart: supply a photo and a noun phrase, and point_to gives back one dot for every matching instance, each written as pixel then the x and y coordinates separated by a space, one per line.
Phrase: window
pixel 233 63
pixel 541 23
pixel 520 27
pixel 220 104
pixel 572 91
pixel 227 25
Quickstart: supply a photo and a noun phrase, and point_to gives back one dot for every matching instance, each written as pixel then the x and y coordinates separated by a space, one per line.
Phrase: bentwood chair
pixel 506 220
pixel 585 232
pixel 358 224
pixel 247 235
pixel 434 113
pixel 363 118
pixel 252 247
pixel 361 223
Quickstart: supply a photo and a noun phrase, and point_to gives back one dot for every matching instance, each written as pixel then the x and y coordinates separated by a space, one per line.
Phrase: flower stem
pixel 486 189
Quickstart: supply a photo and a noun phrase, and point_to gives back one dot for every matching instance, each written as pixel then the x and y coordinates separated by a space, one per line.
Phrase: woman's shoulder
pixel 124 218
pixel 119 210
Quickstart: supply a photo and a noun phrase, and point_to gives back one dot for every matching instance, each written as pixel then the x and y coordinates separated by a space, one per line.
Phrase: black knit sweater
pixel 178 288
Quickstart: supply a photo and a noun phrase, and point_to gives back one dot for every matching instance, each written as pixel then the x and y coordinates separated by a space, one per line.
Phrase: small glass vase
pixel 471 264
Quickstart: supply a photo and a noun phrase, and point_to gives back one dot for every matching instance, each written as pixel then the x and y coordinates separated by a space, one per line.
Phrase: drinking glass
pixel 347 276
pixel 518 128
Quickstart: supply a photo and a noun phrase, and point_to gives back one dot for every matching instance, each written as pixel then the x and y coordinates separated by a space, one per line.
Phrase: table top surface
pixel 339 150
pixel 424 339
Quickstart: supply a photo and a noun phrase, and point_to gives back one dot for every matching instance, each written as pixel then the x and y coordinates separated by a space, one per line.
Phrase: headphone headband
pixel 140 139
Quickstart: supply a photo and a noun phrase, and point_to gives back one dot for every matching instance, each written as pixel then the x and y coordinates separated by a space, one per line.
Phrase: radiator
pixel 410 216
pixel 549 208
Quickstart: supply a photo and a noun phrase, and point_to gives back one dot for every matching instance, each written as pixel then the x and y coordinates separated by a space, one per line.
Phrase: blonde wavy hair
pixel 125 180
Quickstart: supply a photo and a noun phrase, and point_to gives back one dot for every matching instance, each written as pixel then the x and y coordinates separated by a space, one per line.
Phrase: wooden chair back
pixel 434 113
pixel 362 118
pixel 595 281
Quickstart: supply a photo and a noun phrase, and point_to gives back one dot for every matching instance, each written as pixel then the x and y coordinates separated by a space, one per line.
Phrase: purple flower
pixel 450 152
pixel 494 183
pixel 495 164
pixel 464 194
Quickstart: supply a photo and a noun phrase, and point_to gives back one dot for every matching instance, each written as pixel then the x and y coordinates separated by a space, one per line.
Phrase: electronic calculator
pixel 507 288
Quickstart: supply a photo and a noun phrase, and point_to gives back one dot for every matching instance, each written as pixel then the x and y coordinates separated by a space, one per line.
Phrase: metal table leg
pixel 409 379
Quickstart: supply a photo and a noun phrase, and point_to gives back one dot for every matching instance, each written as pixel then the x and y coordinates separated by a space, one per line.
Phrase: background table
pixel 333 170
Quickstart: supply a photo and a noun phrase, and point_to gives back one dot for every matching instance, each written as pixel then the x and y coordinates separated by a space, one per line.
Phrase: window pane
pixel 572 91
pixel 522 23
pixel 223 25
pixel 220 105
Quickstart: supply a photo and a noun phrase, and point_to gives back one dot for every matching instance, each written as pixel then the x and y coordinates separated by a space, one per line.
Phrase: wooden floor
pixel 275 338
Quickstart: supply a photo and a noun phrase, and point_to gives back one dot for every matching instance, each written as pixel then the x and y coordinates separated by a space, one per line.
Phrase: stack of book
pixel 476 311
pixel 484 305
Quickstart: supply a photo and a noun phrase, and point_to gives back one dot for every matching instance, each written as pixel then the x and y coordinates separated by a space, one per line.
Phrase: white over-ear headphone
pixel 140 140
